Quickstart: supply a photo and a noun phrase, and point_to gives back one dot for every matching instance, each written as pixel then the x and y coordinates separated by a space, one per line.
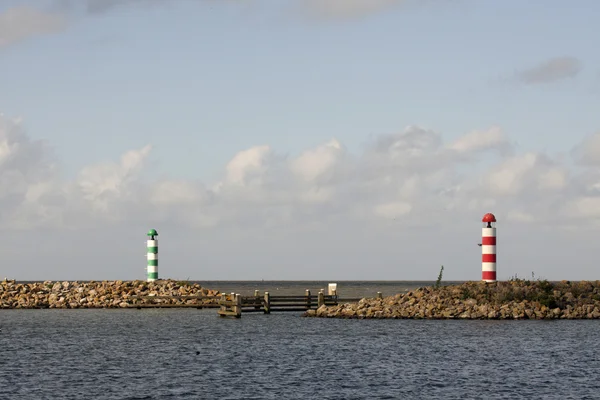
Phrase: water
pixel 194 354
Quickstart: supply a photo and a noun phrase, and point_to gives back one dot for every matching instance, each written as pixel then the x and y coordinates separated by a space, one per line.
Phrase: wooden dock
pixel 234 305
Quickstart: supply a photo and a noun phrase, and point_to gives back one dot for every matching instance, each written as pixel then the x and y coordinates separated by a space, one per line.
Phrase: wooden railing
pixel 235 304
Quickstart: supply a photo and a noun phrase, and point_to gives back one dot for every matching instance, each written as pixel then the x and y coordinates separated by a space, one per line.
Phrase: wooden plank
pixel 166 306
pixel 252 304
pixel 174 297
pixel 252 301
pixel 252 310
pixel 227 313
pixel 296 304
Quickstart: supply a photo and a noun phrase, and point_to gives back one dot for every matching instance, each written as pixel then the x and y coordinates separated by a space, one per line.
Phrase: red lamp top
pixel 489 217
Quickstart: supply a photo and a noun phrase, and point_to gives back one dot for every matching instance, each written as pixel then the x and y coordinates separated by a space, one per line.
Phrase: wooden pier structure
pixel 234 304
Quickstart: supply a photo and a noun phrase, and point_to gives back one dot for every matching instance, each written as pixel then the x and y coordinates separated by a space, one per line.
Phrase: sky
pixel 299 139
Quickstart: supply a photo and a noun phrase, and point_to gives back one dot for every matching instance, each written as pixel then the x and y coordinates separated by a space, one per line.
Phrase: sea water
pixel 194 354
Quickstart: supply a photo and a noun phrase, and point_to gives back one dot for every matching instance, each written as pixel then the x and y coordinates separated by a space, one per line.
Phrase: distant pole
pixel 488 248
pixel 152 246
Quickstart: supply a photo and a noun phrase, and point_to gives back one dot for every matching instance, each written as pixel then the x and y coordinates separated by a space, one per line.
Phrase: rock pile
pixel 105 294
pixel 515 299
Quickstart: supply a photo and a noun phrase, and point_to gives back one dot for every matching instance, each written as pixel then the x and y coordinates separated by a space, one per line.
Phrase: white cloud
pixel 248 166
pixel 346 8
pixel 23 22
pixel 554 69
pixel 407 185
pixel 587 153
pixel 177 193
pixel 20 23
pixel 105 6
pixel 525 173
pixel 317 163
pixel 519 216
pixel 587 207
pixel 476 141
pixel 392 210
pixel 104 183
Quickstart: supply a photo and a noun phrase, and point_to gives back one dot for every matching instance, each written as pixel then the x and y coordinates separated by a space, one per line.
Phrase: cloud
pixel 20 23
pixel 102 184
pixel 318 163
pixel 477 141
pixel 343 9
pixel 104 6
pixel 587 153
pixel 551 70
pixel 409 174
pixel 408 187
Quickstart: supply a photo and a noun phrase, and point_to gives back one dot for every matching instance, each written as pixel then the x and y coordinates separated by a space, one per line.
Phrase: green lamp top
pixel 152 232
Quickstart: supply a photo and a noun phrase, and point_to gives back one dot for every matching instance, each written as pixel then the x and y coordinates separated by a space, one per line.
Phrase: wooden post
pixel 379 295
pixel 223 307
pixel 237 308
pixel 267 305
pixel 307 294
pixel 257 299
pixel 321 299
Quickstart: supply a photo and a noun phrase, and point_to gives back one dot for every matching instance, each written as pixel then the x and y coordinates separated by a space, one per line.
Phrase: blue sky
pixel 200 80
pixel 330 137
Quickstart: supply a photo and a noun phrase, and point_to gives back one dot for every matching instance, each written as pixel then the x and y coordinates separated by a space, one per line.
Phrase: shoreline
pixel 515 299
pixel 101 294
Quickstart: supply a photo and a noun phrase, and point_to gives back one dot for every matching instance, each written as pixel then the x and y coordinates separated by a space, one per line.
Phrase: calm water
pixel 193 354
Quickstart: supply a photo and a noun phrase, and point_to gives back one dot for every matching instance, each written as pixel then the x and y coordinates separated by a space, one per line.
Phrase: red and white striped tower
pixel 488 248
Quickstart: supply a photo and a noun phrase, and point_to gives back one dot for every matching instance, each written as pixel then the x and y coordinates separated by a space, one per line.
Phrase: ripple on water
pixel 181 354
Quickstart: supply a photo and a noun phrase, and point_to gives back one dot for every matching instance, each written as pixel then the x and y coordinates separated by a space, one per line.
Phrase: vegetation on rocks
pixel 438 282
pixel 514 299
pixel 105 294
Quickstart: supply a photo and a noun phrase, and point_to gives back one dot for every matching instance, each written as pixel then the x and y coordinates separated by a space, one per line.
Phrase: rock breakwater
pixel 515 299
pixel 104 294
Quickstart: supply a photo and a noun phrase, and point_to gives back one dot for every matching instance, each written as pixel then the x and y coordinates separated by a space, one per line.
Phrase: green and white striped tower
pixel 152 255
